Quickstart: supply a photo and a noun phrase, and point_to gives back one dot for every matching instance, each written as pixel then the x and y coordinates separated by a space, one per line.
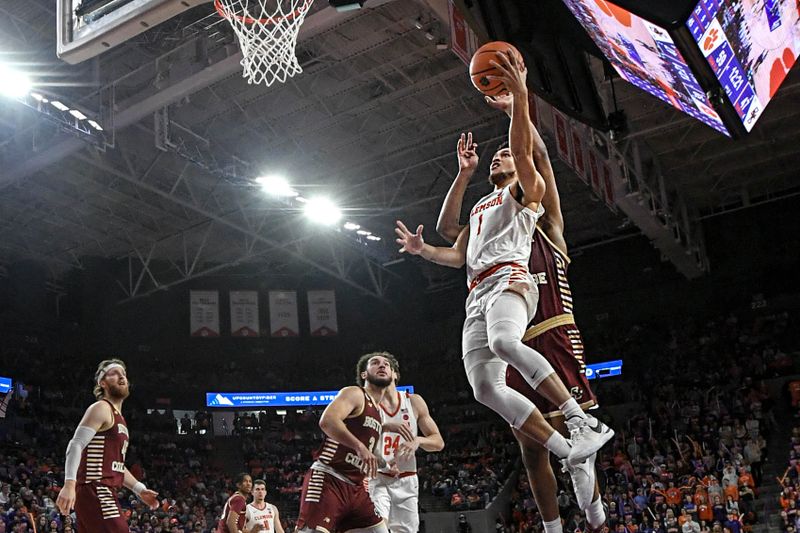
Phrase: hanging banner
pixel 244 313
pixel 463 41
pixel 562 139
pixel 579 155
pixel 204 313
pixel 283 314
pixel 594 173
pixel 608 187
pixel 322 313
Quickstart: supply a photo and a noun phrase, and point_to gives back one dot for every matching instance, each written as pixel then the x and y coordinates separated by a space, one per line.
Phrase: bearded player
pixel 334 496
pixel 552 332
pixel 496 246
pixel 95 464
pixel 395 491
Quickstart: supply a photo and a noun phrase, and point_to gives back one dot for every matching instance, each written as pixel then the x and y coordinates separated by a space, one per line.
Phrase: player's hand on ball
pixel 150 498
pixel 514 73
pixel 501 103
pixel 409 242
pixel 467 154
pixel 66 498
pixel 407 449
pixel 399 427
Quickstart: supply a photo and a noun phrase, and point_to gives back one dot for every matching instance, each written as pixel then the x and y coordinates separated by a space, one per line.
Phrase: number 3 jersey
pixel 404 414
pixel 500 232
pixel 103 459
pixel 342 461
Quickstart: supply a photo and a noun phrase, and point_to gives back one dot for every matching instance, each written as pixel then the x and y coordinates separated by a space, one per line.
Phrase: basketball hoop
pixel 267 32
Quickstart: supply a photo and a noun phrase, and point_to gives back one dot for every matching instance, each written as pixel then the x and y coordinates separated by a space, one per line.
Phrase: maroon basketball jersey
pixel 366 427
pixel 103 459
pixel 235 504
pixel 548 266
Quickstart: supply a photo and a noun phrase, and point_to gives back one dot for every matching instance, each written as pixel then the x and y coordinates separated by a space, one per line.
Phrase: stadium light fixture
pixel 373 238
pixel 364 232
pixel 322 211
pixel 77 114
pixel 351 227
pixel 39 98
pixel 95 125
pixel 15 84
pixel 58 105
pixel 346 5
pixel 276 185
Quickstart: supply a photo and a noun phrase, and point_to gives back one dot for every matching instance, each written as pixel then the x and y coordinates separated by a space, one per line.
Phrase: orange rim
pixel 271 20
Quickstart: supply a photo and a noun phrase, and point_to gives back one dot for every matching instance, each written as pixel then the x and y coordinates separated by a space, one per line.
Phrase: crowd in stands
pixel 789 498
pixel 690 452
pixel 691 460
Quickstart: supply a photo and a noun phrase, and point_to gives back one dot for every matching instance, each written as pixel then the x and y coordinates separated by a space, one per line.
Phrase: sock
pixel 571 409
pixel 595 514
pixel 557 444
pixel 553 526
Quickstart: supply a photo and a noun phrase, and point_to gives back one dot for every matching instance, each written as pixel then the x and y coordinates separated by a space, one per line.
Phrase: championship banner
pixel 322 313
pixel 594 173
pixel 204 313
pixel 579 155
pixel 244 313
pixel 608 187
pixel 283 314
pixel 463 41
pixel 562 139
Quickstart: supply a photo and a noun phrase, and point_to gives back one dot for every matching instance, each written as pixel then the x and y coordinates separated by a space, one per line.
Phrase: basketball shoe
pixel 583 480
pixel 587 435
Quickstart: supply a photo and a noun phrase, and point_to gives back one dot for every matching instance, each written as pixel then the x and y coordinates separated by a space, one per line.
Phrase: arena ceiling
pixel 372 122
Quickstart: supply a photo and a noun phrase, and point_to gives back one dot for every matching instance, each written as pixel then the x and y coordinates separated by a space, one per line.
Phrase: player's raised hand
pixel 66 497
pixel 409 242
pixel 502 102
pixel 150 498
pixel 467 153
pixel 514 72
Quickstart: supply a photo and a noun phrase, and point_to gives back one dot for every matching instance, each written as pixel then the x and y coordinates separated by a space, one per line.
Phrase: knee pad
pixel 488 381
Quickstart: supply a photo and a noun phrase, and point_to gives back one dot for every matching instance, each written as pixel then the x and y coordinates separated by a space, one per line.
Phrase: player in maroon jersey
pixel 334 496
pixel 234 514
pixel 552 332
pixel 95 466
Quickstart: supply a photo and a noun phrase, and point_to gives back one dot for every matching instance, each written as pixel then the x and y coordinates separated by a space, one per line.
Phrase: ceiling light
pixel 350 226
pixel 346 5
pixel 39 98
pixel 373 238
pixel 58 105
pixel 276 185
pixel 95 125
pixel 322 211
pixel 364 232
pixel 77 114
pixel 15 83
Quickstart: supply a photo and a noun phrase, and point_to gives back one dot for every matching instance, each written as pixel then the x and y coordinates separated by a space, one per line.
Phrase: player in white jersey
pixel 496 246
pixel 262 515
pixel 395 491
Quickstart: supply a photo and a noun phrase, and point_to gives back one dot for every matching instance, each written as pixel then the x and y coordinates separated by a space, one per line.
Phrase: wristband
pixel 138 488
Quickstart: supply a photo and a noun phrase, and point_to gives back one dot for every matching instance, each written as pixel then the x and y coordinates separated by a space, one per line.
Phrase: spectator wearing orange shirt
pixel 730 490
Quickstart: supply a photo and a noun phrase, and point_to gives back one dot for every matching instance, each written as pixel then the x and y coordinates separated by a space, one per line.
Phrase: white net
pixel 267 32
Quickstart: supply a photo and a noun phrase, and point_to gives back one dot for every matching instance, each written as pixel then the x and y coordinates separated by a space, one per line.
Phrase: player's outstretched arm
pixel 514 76
pixel 97 416
pixel 553 219
pixel 349 402
pixel 447 226
pixel 149 497
pixel 413 243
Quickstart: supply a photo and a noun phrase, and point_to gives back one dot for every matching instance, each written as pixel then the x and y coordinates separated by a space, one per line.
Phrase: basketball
pixel 480 67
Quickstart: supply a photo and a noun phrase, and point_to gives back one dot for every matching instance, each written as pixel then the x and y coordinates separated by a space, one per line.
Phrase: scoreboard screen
pixel 276 399
pixel 750 45
pixel 645 55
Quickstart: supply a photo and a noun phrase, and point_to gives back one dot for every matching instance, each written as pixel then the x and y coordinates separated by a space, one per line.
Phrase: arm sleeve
pixel 83 435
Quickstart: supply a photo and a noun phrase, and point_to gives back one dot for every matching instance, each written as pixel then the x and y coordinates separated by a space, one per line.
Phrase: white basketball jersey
pixel 500 231
pixel 403 415
pixel 265 517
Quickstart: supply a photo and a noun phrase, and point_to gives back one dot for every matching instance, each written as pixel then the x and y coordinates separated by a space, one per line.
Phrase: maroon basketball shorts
pixel 97 509
pixel 330 504
pixel 562 346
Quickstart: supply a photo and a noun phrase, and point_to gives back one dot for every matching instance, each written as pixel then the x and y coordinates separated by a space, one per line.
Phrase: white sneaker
pixel 583 480
pixel 587 435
